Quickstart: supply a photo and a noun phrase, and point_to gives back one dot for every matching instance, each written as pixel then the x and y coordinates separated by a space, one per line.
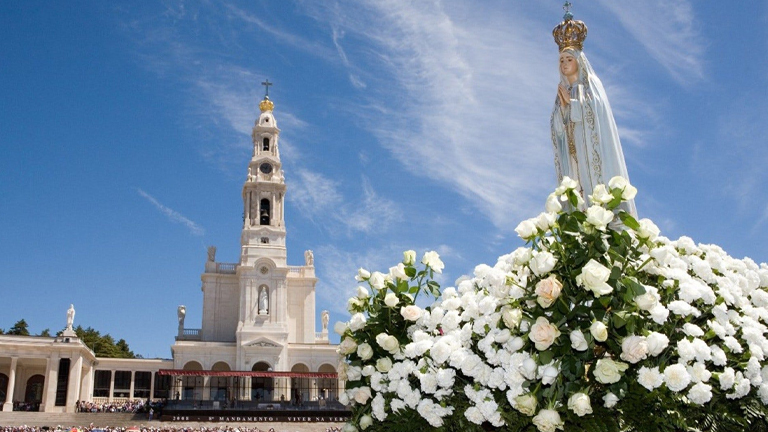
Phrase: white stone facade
pixel 258 315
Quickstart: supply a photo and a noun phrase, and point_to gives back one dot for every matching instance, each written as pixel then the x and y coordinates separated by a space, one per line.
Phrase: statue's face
pixel 568 64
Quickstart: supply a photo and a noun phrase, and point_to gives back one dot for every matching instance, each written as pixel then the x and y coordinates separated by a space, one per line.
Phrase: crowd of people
pixel 91 428
pixel 131 406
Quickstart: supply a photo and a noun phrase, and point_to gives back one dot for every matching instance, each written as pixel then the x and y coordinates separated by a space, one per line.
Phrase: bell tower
pixel 264 193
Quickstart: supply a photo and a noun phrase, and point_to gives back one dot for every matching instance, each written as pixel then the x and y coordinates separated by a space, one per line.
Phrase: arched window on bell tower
pixel 264 215
pixel 265 144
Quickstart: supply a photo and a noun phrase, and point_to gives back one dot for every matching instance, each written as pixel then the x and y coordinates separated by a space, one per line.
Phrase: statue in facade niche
pixel 263 301
pixel 584 133
pixel 309 258
pixel 70 316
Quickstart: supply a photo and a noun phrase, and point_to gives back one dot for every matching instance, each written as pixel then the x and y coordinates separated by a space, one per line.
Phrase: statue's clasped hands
pixel 564 95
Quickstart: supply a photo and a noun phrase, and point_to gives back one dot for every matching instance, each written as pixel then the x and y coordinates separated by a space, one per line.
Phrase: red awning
pixel 271 374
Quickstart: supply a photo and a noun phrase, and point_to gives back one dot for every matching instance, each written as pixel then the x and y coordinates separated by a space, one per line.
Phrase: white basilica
pixel 257 343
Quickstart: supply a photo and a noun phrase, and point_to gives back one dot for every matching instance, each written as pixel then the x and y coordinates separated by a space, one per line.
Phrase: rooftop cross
pixel 266 85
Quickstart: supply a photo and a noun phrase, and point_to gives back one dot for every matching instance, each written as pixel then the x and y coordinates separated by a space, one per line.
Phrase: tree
pixel 21 328
pixel 46 333
pixel 103 346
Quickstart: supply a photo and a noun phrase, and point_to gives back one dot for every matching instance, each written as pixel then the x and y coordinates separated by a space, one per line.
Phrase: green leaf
pixel 628 220
pixel 546 356
pixel 619 320
pixel 410 272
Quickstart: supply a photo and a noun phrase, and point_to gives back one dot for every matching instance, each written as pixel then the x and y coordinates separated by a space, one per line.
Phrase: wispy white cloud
pixel 466 101
pixel 318 198
pixel 173 215
pixel 667 30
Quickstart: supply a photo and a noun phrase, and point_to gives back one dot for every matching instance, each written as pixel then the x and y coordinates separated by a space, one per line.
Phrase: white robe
pixel 584 135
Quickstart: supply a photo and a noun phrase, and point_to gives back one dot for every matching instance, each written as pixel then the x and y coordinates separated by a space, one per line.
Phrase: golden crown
pixel 266 104
pixel 570 33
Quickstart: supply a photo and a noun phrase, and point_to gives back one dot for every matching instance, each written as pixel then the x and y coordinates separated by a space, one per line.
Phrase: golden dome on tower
pixel 266 104
pixel 570 33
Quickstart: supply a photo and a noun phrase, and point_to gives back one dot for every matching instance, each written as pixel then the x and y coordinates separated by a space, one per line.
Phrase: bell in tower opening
pixel 264 215
pixel 265 144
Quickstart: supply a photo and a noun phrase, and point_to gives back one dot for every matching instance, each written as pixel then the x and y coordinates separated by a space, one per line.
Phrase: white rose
pixel 409 257
pixel 391 299
pixel 357 322
pixel 548 290
pixel 634 349
pixel 620 183
pixel 549 374
pixel 657 342
pixel 580 404
pixel 648 230
pixel 377 280
pixel 608 371
pixel 362 394
pixel 553 204
pixel 545 221
pixel 511 316
pixel 354 373
pixel 362 293
pixel 340 328
pixel 542 263
pixel 365 422
pixel 526 404
pixel 432 260
pixel 600 195
pixel 354 304
pixel 568 183
pixel 384 364
pixel 362 274
pixel 676 377
pixel 610 400
pixel 368 370
pixel 599 217
pixel 398 272
pixel 599 331
pixel 543 334
pixel 522 255
pixel 578 341
pixel 548 420
pixel 650 378
pixel 527 229
pixel 388 342
pixel 349 427
pixel 700 394
pixel 594 277
pixel 364 351
pixel 347 346
pixel 411 312
pixel 649 300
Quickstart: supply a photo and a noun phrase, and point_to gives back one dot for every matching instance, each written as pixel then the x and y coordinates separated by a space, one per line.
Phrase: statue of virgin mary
pixel 584 134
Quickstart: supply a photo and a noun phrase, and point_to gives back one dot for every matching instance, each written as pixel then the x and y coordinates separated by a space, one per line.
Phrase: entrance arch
pixel 300 387
pixel 262 388
pixel 219 385
pixel 191 387
pixel 328 388
pixel 33 394
pixel 3 387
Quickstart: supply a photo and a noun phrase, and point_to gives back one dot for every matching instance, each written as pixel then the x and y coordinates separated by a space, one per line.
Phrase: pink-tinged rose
pixel 543 334
pixel 548 290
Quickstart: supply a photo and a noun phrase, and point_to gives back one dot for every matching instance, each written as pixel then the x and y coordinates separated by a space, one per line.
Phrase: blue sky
pixel 124 132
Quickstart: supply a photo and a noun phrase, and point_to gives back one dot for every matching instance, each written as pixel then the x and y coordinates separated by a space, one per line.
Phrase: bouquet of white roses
pixel 597 323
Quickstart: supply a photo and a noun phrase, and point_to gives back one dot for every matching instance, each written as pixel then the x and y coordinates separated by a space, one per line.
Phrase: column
pixel 8 405
pixel 152 386
pixel 111 384
pixel 73 390
pixel 130 391
pixel 86 388
pixel 49 388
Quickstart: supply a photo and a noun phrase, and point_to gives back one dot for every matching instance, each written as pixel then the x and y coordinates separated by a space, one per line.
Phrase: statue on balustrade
pixel 584 133
pixel 181 312
pixel 70 316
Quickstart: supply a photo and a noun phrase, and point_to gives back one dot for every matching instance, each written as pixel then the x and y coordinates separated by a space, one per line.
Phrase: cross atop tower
pixel 567 8
pixel 266 85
